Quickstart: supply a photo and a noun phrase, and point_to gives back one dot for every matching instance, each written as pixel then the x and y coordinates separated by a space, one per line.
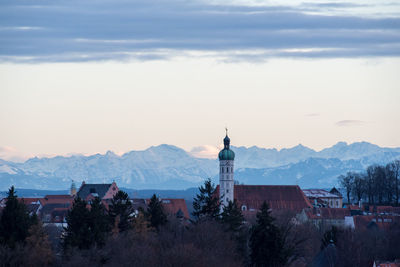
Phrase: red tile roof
pixel 388 209
pixel 328 213
pixel 57 196
pixel 319 193
pixel 388 264
pixel 58 199
pixel 278 197
pixel 353 207
pixel 381 221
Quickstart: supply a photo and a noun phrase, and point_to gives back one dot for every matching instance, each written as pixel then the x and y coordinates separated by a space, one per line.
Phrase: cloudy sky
pixel 85 76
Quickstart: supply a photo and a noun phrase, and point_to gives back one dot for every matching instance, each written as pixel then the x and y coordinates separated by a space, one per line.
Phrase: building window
pixel 337 204
pixel 231 169
pixel 227 199
pixel 244 208
pixel 227 169
pixel 227 190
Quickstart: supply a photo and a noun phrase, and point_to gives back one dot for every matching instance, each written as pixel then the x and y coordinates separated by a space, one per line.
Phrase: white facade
pixel 226 182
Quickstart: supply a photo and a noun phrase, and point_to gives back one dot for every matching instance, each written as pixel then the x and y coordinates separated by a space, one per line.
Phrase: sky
pixel 91 76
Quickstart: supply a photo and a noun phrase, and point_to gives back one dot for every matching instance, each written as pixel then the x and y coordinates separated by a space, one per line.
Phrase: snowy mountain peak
pixel 170 167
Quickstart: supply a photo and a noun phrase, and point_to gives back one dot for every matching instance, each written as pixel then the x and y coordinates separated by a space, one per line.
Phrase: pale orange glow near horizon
pixel 62 108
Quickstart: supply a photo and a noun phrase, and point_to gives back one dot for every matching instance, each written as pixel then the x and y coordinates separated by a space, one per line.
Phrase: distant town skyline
pixel 276 73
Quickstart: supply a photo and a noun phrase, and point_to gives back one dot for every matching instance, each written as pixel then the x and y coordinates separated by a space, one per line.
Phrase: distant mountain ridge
pixel 170 167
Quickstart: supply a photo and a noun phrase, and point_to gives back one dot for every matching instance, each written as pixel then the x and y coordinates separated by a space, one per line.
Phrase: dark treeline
pixel 377 185
pixel 119 236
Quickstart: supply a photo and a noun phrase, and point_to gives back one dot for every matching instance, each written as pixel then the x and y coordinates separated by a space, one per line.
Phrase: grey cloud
pixel 122 30
pixel 312 115
pixel 349 123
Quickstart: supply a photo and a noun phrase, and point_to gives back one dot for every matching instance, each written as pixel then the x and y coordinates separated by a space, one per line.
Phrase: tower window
pixel 227 190
pixel 244 207
pixel 227 169
pixel 227 199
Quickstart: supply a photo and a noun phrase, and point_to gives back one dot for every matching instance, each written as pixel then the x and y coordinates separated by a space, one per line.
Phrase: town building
pixel 103 191
pixel 323 198
pixel 325 217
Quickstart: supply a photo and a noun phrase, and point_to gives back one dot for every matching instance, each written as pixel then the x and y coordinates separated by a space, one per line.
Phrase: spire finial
pixel 226 130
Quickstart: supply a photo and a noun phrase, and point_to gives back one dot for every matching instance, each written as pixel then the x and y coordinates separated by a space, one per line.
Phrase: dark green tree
pixel 155 213
pixel 206 203
pixel 78 232
pixel 266 242
pixel 15 221
pixel 232 217
pixel 122 208
pixel 99 222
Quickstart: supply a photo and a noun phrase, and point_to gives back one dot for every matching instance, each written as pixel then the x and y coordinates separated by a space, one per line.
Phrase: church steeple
pixel 73 189
pixel 226 182
pixel 227 140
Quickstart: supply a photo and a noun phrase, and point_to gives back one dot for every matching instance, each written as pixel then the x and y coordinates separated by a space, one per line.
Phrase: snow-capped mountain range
pixel 170 167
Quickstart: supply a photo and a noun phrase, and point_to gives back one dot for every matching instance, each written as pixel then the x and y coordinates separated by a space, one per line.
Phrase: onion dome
pixel 226 153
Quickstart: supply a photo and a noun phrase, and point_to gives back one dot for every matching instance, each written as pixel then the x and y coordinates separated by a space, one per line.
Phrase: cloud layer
pixel 347 123
pixel 145 30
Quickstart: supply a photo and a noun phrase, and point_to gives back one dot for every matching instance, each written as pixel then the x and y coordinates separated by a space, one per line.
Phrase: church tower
pixel 73 189
pixel 226 183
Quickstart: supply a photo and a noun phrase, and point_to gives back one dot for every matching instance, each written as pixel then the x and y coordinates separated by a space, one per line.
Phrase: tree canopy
pixel 155 212
pixel 206 203
pixel 266 242
pixel 15 220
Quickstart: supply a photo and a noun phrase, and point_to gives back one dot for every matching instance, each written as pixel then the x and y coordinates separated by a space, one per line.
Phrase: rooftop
pixel 278 197
pixel 319 193
pixel 87 189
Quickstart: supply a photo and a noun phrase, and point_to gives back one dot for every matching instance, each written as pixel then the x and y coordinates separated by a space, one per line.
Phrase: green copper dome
pixel 226 153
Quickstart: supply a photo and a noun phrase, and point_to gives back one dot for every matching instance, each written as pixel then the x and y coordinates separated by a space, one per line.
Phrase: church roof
pixel 278 197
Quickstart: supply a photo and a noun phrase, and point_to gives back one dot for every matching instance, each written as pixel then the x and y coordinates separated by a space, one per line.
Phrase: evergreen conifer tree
pixel 99 222
pixel 266 242
pixel 232 217
pixel 155 212
pixel 206 203
pixel 122 207
pixel 77 232
pixel 15 221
